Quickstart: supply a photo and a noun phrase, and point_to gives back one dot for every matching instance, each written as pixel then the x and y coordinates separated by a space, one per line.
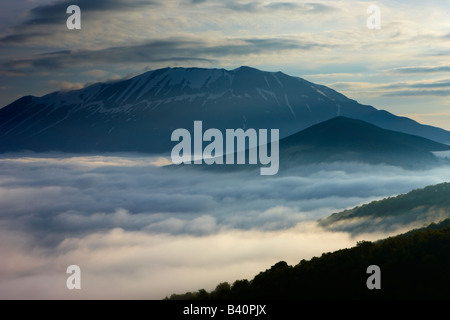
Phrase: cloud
pixel 70 195
pixel 165 50
pixel 420 70
pixel 55 13
pixel 303 8
pixel 268 7
pixel 139 230
pixel 120 264
pixel 241 7
pixel 46 21
pixel 46 24
pixel 435 87
pixel 65 85
pixel 282 6
pixel 96 73
pixel 20 38
pixel 414 93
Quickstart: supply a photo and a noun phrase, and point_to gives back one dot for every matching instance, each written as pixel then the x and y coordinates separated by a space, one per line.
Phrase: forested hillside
pixel 415 265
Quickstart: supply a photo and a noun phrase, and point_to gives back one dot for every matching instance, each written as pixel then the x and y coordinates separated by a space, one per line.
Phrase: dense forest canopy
pixel 414 265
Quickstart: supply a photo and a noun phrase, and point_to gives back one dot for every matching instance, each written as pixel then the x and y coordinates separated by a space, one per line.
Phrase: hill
pixel 417 207
pixel 413 266
pixel 345 139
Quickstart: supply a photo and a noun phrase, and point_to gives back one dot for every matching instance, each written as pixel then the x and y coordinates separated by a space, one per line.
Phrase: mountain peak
pixel 139 114
pixel 246 69
pixel 347 139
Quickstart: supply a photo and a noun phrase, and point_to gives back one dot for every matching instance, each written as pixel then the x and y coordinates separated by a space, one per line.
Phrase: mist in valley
pixel 140 229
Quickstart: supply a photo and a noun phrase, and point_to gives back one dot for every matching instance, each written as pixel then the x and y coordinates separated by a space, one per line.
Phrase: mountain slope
pixel 344 139
pixel 139 114
pixel 412 266
pixel 418 207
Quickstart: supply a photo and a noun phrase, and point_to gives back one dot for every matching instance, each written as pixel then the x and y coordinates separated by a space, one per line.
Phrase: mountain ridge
pixel 139 114
pixel 347 139
pixel 339 139
pixel 424 205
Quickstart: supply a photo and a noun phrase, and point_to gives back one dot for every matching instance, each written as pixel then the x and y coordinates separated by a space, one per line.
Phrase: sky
pixel 403 67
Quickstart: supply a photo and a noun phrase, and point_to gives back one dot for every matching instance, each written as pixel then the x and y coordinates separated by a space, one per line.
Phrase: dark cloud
pixel 20 38
pixel 55 13
pixel 166 50
pixel 158 51
pixel 30 30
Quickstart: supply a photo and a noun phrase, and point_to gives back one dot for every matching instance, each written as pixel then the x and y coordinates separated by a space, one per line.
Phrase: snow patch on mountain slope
pixel 289 105
pixel 278 80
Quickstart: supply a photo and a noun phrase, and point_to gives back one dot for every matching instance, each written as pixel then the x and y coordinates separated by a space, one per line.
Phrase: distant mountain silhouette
pixel 139 114
pixel 345 139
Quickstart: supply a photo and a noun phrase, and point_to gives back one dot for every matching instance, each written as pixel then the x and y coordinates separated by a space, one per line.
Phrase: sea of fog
pixel 141 230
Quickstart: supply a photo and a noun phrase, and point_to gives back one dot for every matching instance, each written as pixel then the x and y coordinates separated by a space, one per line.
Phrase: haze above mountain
pixel 139 114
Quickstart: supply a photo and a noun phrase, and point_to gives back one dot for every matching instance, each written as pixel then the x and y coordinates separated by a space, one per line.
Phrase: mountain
pixel 344 139
pixel 417 207
pixel 414 265
pixel 139 114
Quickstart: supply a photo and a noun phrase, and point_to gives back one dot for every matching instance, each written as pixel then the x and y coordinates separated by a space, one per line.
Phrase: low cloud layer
pixel 140 230
pixel 119 264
